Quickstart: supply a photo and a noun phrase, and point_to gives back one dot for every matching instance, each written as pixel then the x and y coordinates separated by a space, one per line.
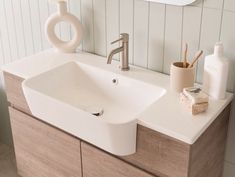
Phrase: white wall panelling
pixel 16 4
pixel 156 36
pixel 141 26
pixel 191 29
pixel 53 9
pixel 36 25
pixel 6 50
pixel 229 5
pixel 27 26
pixel 87 15
pixel 75 9
pixel 157 32
pixel 11 28
pixel 173 36
pixel 210 30
pixel 100 37
pixel 127 23
pixel 112 22
pixel 43 15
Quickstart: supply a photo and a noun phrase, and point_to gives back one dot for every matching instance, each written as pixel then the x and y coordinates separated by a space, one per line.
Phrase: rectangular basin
pixel 95 105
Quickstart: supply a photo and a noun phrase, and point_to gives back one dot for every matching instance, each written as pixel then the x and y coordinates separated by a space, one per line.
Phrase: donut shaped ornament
pixel 63 16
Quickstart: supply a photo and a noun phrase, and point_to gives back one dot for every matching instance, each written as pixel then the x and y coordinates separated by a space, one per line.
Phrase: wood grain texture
pixel 43 151
pixel 97 163
pixel 15 93
pixel 157 153
pixel 207 153
pixel 160 154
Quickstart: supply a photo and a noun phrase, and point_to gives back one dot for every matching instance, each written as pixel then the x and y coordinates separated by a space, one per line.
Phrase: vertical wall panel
pixel 126 23
pixel 53 9
pixel 228 39
pixel 75 9
pixel 191 29
pixel 112 22
pixel 100 27
pixel 173 36
pixel 141 25
pixel 20 29
pixel 11 28
pixel 217 4
pixel 65 28
pixel 44 13
pixel 211 22
pixel 27 27
pixel 5 34
pixel 2 57
pixel 36 25
pixel 88 26
pixel 229 5
pixel 156 36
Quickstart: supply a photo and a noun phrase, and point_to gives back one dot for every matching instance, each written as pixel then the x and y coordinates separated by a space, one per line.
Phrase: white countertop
pixel 166 115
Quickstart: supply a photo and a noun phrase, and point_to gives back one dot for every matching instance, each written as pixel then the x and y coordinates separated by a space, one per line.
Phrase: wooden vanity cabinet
pixel 97 163
pixel 45 151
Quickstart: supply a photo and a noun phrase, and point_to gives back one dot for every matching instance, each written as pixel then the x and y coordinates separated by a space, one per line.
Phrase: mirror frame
pixel 174 2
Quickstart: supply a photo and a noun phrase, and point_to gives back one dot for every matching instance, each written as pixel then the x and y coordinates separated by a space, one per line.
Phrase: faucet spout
pixel 112 53
pixel 124 57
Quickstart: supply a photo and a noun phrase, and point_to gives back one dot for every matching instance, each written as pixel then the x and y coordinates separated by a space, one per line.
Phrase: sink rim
pixel 26 85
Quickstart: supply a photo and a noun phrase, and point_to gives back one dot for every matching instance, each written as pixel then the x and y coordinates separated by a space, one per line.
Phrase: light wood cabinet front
pixel 97 163
pixel 43 151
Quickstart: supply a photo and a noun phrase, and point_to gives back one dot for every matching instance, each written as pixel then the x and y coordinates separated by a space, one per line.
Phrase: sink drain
pixel 96 111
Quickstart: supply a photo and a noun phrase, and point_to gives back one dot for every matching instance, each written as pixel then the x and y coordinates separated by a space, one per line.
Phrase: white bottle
pixel 216 73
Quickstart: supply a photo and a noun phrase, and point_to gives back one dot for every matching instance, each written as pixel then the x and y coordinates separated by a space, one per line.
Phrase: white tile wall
pixel 157 33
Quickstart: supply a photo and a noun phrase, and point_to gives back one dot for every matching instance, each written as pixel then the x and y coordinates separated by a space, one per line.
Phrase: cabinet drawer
pixel 160 154
pixel 15 93
pixel 97 163
pixel 43 151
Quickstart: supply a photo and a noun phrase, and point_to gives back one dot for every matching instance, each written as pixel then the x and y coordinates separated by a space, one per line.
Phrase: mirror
pixel 174 2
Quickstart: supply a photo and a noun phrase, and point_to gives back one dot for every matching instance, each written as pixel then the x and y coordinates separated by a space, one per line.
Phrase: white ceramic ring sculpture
pixel 63 16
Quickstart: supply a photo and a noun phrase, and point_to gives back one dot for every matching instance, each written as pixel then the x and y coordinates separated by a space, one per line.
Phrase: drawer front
pixel 43 151
pixel 160 154
pixel 97 163
pixel 15 93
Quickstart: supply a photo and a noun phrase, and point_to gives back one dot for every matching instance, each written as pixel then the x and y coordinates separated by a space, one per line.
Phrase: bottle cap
pixel 219 49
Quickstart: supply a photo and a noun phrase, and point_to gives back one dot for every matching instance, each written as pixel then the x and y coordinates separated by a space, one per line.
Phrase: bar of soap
pixel 193 108
pixel 196 95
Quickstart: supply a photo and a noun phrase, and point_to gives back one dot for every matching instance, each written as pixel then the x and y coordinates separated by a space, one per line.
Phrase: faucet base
pixel 124 69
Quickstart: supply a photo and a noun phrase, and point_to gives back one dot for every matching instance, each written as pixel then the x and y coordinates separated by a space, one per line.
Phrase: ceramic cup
pixel 181 77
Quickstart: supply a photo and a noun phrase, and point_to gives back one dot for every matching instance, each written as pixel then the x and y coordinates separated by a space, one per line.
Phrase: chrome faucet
pixel 124 66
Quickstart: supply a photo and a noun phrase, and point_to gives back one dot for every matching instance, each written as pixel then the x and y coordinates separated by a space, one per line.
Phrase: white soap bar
pixel 193 108
pixel 196 95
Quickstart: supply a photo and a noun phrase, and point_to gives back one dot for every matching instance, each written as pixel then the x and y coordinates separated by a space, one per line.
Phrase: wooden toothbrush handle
pixel 195 59
pixel 185 55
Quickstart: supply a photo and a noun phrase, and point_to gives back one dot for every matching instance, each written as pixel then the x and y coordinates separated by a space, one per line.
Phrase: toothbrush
pixel 195 59
pixel 185 55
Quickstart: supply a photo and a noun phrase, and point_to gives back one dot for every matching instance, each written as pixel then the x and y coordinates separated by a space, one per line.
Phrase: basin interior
pixel 88 88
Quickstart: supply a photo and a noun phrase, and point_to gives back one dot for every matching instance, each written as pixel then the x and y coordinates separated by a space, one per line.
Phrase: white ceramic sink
pixel 68 97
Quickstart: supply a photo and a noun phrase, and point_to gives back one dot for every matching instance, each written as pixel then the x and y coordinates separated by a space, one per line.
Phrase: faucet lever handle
pixel 124 37
pixel 117 41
